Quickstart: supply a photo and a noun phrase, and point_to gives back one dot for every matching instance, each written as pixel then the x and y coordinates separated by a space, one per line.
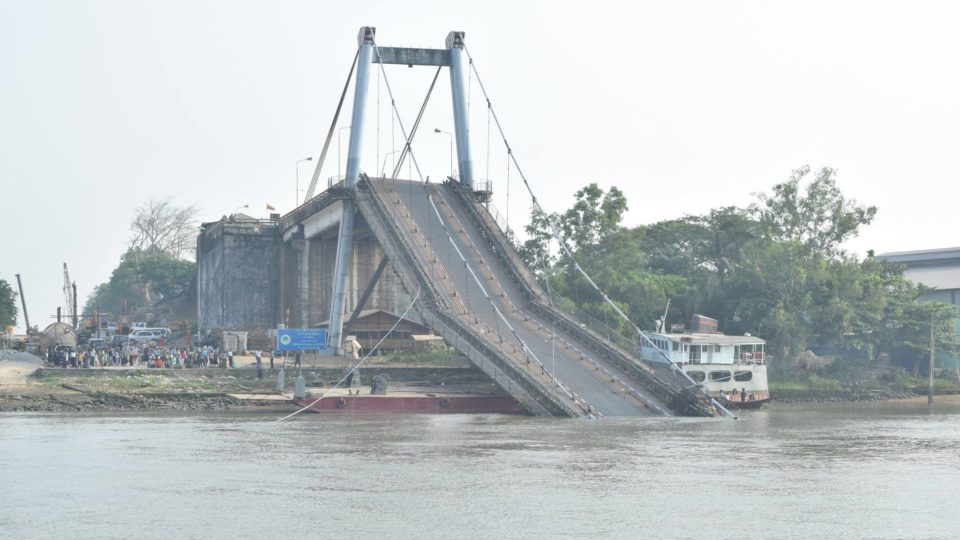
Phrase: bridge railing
pixel 501 220
pixel 566 306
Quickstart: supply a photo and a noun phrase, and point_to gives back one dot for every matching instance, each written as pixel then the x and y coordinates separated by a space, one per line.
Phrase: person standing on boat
pixel 743 395
pixel 348 383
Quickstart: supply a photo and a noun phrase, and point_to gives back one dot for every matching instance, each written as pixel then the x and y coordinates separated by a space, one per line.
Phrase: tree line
pixel 776 268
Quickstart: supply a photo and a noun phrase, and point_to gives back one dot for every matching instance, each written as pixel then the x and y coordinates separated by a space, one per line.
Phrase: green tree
pixel 141 279
pixel 818 217
pixel 593 216
pixel 8 305
pixel 535 250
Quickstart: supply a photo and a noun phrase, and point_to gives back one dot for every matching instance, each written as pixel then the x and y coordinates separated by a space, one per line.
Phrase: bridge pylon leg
pixel 345 238
pixel 461 122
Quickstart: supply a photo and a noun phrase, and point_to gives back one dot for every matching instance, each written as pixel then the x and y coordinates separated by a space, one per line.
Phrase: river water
pixel 864 471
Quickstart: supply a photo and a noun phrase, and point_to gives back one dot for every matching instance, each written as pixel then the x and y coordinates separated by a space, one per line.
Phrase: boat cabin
pixel 705 348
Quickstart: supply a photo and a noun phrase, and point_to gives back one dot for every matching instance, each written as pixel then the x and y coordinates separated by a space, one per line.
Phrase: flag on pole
pixel 270 207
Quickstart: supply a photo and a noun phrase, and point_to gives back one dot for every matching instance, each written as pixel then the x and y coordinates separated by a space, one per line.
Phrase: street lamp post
pixel 339 170
pixel 383 169
pixel 448 134
pixel 299 161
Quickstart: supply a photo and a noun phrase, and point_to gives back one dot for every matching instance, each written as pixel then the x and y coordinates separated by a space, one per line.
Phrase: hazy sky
pixel 683 105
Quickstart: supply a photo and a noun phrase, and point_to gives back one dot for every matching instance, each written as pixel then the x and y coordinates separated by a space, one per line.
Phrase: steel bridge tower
pixel 453 57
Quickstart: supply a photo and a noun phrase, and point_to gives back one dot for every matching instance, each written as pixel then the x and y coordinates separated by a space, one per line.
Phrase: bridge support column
pixel 303 281
pixel 345 237
pixel 461 122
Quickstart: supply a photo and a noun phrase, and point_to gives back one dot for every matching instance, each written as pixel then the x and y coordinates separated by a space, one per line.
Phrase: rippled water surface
pixel 867 471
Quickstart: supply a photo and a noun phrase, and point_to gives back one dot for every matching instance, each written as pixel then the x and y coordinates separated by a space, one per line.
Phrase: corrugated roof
pixel 921 255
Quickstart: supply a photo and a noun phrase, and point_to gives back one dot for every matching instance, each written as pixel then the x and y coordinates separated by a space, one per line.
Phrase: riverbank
pixel 27 386
pixel 800 397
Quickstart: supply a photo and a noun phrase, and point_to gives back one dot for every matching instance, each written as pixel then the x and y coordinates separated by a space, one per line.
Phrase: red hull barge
pixel 413 404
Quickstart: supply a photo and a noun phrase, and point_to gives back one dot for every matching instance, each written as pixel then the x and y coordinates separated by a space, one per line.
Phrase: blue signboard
pixel 302 339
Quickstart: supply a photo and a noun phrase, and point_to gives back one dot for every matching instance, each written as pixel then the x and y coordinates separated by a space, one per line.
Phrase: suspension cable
pixel 561 241
pixel 416 124
pixel 377 162
pixel 333 127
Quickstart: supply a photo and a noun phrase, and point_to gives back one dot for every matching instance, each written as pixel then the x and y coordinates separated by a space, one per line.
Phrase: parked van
pixel 164 332
pixel 147 334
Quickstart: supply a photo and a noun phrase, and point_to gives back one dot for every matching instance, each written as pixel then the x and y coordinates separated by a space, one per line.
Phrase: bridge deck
pixel 602 386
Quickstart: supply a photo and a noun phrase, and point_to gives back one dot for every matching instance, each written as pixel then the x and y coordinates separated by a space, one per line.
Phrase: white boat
pixel 730 368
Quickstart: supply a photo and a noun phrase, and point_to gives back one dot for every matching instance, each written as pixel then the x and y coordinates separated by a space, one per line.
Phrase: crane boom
pixel 70 296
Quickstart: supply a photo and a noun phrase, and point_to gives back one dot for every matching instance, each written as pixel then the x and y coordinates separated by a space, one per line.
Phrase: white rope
pixel 364 359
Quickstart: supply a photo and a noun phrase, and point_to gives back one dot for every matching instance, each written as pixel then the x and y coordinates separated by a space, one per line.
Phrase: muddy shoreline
pixel 106 402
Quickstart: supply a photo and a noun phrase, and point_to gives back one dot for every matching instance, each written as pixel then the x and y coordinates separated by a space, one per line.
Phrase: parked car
pixel 96 343
pixel 119 341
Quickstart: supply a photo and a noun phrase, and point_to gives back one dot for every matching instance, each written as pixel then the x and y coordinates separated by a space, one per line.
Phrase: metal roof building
pixel 937 268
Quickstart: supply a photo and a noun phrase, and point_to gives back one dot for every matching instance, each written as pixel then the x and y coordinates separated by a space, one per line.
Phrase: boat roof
pixel 705 338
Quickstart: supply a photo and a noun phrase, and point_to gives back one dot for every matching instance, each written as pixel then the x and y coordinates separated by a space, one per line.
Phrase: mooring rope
pixel 360 363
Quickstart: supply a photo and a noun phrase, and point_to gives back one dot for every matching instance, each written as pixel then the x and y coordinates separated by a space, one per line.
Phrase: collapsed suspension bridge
pixel 441 240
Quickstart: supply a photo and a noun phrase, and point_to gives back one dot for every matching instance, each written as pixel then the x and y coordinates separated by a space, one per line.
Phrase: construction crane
pixel 70 296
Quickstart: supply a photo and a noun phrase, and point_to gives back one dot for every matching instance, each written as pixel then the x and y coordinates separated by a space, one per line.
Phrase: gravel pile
pixel 20 357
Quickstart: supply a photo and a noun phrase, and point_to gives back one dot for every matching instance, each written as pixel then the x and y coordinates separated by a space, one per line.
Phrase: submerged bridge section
pixel 482 299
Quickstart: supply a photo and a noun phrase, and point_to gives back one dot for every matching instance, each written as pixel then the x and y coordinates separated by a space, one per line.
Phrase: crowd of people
pixel 146 355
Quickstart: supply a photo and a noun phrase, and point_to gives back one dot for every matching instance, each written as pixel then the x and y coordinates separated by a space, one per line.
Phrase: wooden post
pixel 933 352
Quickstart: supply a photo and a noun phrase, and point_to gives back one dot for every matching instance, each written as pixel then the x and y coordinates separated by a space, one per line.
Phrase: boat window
pixel 716 348
pixel 743 376
pixel 720 376
pixel 697 376
pixel 676 346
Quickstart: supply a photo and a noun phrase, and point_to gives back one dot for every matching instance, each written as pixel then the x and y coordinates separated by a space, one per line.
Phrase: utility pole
pixel 23 301
pixel 933 352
